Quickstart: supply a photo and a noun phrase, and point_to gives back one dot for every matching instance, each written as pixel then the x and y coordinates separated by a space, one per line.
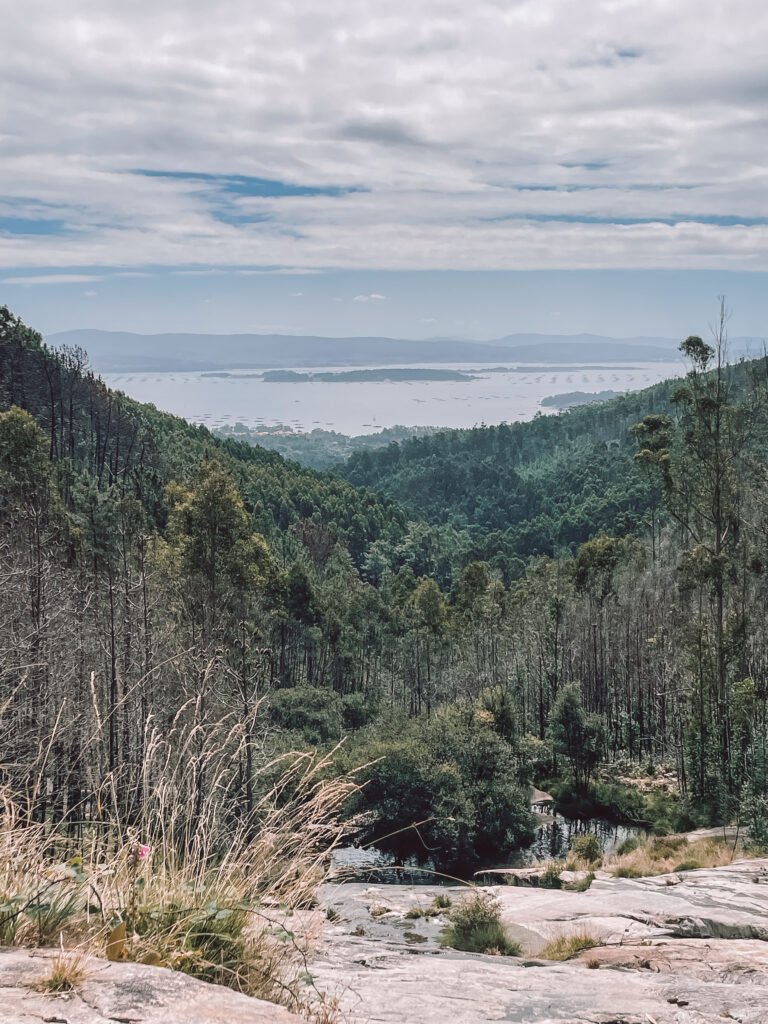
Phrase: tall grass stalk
pixel 222 891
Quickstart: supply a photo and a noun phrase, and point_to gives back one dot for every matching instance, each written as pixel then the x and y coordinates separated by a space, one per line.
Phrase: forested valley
pixel 564 603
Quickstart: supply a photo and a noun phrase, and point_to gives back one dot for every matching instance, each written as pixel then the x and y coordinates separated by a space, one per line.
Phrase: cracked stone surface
pixel 686 948
pixel 123 993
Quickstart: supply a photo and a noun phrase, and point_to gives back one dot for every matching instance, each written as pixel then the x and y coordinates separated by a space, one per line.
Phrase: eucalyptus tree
pixel 698 458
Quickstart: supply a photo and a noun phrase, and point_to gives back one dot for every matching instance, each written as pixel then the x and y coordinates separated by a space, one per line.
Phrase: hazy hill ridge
pixel 123 351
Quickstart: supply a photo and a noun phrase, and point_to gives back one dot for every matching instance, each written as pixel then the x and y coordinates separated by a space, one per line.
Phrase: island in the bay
pixel 396 375
pixel 571 398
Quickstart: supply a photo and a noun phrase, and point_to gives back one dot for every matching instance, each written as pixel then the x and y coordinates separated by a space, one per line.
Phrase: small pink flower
pixel 143 852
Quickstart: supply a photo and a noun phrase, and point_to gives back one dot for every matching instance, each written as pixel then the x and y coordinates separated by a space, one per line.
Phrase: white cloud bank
pixel 32 279
pixel 503 134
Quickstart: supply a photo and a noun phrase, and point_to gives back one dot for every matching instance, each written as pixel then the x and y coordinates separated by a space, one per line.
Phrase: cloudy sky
pixel 418 168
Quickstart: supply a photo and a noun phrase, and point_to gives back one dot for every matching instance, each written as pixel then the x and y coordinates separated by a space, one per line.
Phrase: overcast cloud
pixel 414 134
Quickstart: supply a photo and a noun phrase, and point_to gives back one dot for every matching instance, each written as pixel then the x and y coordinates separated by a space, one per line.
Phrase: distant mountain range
pixel 124 352
pixel 519 340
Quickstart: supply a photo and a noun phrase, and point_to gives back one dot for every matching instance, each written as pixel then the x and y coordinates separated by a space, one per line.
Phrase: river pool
pixel 554 835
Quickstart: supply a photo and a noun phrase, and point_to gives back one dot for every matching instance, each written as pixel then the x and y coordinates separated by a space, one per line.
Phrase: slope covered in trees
pixel 540 487
pixel 177 607
pixel 318 448
pixel 158 581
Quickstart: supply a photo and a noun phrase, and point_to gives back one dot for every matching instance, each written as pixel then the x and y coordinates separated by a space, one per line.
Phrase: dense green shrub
pixel 475 927
pixel 357 710
pixel 587 847
pixel 660 810
pixel 753 812
pixel 313 713
pixel 536 758
pixel 614 801
pixel 666 812
pixel 577 735
pixel 443 789
pixel 666 846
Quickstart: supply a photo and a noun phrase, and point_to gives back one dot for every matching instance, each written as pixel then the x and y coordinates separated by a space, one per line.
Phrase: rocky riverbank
pixel 689 947
pixel 685 948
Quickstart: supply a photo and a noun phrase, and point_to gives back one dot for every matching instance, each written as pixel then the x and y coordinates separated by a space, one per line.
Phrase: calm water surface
pixel 363 407
pixel 555 836
pixel 553 840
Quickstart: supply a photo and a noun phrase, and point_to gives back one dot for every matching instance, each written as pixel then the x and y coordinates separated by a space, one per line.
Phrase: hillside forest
pixel 562 603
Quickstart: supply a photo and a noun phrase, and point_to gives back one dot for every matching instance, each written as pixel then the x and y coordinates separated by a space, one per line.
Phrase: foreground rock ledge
pixel 123 993
pixel 677 949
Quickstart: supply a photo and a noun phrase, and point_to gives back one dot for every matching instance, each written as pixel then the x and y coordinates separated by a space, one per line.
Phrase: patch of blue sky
pixel 31 226
pixel 223 193
pixel 586 165
pixel 230 213
pixel 244 185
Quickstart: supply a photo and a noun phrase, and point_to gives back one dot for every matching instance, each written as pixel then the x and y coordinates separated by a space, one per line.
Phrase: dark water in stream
pixel 554 836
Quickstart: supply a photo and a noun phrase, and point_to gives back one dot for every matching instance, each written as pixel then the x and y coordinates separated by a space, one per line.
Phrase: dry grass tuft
pixel 563 947
pixel 68 972
pixel 221 901
pixel 326 1012
pixel 439 905
pixel 666 854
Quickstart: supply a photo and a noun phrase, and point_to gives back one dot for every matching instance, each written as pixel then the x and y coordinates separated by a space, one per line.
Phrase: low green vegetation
pixel 687 865
pixel 627 872
pixel 550 878
pixel 475 926
pixel 582 885
pixel 437 907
